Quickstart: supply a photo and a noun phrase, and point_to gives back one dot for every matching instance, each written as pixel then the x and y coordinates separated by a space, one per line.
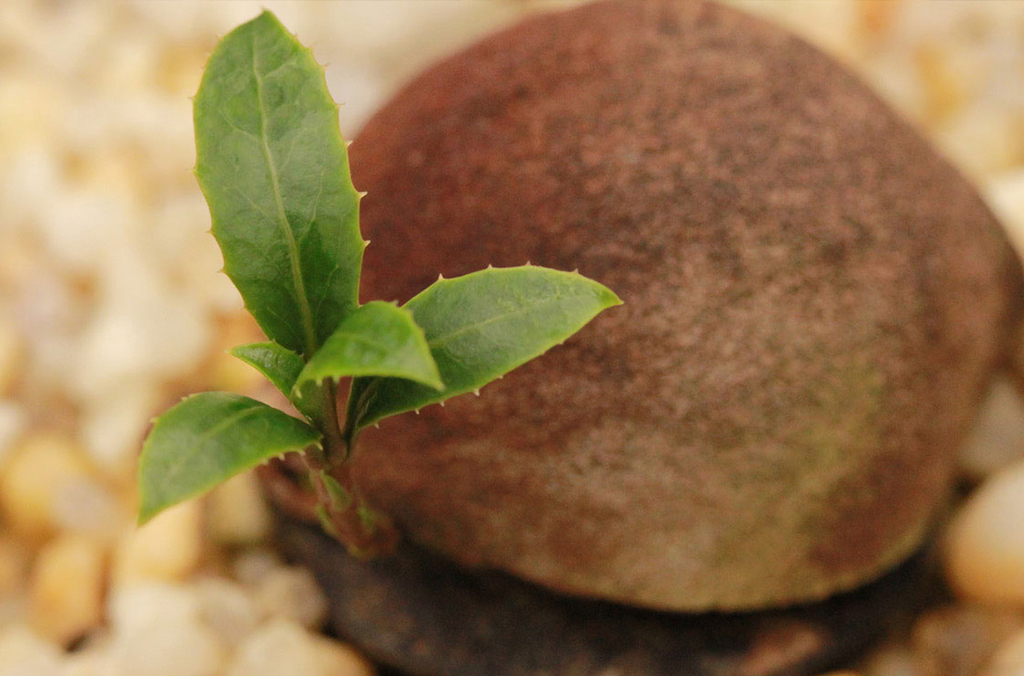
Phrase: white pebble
pixel 1006 197
pixel 984 553
pixel 14 560
pixel 47 310
pixel 997 439
pixel 145 603
pixel 254 565
pixel 226 609
pixel 358 90
pixel 67 37
pixel 13 609
pixel 237 513
pixel 115 422
pixel 11 357
pixel 180 226
pixel 175 20
pixel 23 653
pixel 956 640
pixel 1009 659
pixel 828 25
pixel 892 661
pixel 282 648
pixel 167 548
pixel 159 337
pixel 32 481
pixel 898 82
pixel 292 594
pixel 168 649
pixel 27 105
pixel 12 422
pixel 981 139
pixel 143 329
pixel 79 225
pixel 279 648
pixel 90 508
pixel 91 663
pixel 67 588
pixel 341 659
pixel 157 630
pixel 130 62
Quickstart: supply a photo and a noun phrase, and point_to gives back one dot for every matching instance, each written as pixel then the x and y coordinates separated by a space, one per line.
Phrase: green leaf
pixel 274 168
pixel 481 326
pixel 281 366
pixel 207 439
pixel 378 339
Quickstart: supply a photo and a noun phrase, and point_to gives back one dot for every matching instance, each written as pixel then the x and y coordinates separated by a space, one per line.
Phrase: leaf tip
pixel 490 267
pixel 362 194
pixel 366 243
pixel 146 513
pixel 610 298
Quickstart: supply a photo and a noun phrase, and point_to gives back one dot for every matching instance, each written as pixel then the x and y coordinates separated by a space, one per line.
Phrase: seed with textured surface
pixel 814 300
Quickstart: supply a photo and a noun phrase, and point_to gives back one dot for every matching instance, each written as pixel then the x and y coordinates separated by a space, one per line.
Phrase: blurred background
pixel 111 308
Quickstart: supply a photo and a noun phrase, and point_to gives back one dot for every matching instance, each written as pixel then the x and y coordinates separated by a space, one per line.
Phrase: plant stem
pixel 365 532
pixel 335 448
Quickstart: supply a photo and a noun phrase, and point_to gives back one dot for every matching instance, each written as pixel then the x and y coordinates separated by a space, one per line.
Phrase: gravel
pixel 110 308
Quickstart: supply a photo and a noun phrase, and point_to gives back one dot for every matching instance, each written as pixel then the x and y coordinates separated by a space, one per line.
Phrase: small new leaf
pixel 481 326
pixel 207 439
pixel 281 367
pixel 274 168
pixel 378 339
pixel 339 496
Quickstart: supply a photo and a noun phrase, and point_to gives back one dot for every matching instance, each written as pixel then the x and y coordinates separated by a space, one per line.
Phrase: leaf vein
pixel 282 218
pixel 235 126
pixel 201 439
pixel 438 341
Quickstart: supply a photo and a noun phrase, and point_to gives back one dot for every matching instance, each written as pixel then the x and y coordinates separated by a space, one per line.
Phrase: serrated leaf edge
pixel 146 515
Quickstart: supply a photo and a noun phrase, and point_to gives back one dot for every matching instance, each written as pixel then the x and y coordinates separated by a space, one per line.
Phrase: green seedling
pixel 273 166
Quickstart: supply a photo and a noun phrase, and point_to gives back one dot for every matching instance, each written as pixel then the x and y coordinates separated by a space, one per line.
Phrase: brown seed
pixel 814 302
